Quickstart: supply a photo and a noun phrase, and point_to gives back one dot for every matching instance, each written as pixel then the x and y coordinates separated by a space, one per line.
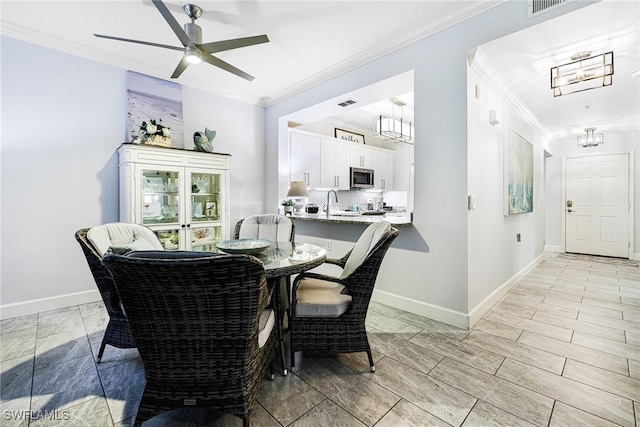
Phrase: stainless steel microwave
pixel 361 178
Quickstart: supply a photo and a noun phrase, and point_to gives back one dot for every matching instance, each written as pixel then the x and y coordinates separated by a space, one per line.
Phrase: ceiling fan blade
pixel 226 66
pixel 182 65
pixel 220 46
pixel 140 42
pixel 175 26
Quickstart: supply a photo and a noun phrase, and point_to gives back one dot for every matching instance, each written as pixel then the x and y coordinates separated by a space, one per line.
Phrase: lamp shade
pixel 298 189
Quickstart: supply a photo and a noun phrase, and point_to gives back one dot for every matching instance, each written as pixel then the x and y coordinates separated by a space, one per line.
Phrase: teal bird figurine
pixel 204 142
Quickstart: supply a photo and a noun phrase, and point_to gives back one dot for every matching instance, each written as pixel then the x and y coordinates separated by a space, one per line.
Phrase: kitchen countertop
pixel 397 219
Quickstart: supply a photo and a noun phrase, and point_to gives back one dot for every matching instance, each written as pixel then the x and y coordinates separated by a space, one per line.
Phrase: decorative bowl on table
pixel 243 246
pixel 299 258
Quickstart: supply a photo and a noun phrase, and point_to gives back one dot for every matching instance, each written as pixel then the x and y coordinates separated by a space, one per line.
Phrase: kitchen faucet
pixel 329 194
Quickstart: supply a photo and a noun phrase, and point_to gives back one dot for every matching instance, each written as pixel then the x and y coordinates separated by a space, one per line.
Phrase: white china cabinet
pixel 181 195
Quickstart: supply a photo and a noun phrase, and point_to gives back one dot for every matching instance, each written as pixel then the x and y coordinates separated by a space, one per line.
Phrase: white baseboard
pixel 636 257
pixel 441 314
pixel 18 309
pixel 452 317
pixel 478 311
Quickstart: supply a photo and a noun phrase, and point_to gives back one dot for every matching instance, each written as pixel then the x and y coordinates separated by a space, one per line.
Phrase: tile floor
pixel 562 348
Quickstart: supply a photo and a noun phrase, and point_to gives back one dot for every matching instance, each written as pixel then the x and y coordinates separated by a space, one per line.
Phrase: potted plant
pixel 288 206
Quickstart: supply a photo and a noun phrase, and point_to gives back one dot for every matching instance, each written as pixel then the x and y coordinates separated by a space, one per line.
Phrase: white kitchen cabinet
pixel 360 156
pixel 334 164
pixel 382 165
pixel 304 158
pixel 181 195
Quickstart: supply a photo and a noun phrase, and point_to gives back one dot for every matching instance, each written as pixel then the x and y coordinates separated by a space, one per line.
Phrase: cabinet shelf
pixel 164 193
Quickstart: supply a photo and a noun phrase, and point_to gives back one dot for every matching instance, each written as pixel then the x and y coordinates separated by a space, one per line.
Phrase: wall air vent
pixel 347 103
pixel 539 6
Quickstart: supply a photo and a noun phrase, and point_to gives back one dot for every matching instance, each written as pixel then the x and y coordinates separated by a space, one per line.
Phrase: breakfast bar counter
pixel 345 217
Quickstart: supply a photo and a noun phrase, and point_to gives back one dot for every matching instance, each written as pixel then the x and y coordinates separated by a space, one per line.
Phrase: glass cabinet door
pixel 170 238
pixel 203 239
pixel 205 197
pixel 160 197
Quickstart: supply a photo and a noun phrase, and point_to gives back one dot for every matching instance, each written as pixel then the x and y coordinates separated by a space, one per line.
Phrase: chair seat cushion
pixel 265 326
pixel 123 235
pixel 321 298
pixel 136 245
pixel 267 226
pixel 365 244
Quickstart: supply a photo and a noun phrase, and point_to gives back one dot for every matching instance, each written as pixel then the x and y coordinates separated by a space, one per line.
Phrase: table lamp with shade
pixel 298 190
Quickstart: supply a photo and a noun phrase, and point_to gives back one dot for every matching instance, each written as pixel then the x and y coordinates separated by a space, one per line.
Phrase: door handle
pixel 569 210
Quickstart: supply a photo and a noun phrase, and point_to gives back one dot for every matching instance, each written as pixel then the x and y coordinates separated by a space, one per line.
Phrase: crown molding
pixel 62 45
pixel 479 63
pixel 466 11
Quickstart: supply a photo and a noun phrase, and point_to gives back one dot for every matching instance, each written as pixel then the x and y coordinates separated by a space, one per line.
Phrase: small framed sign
pixel 345 135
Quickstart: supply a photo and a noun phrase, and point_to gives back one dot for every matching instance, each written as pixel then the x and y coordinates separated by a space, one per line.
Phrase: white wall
pixel 62 120
pixel 430 273
pixel 567 147
pixel 495 256
pixel 240 128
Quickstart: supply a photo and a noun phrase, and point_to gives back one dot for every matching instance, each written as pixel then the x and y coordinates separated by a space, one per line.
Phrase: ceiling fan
pixel 191 38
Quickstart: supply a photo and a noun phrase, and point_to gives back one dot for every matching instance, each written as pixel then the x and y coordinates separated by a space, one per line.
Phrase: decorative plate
pixel 300 258
pixel 243 246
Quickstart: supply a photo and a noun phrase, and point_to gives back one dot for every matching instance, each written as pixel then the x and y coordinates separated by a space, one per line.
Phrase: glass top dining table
pixel 281 260
pixel 286 258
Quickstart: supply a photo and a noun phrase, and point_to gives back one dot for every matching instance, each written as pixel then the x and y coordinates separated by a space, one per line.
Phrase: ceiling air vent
pixel 347 103
pixel 539 6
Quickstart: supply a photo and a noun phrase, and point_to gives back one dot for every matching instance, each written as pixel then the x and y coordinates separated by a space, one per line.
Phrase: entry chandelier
pixel 590 139
pixel 392 129
pixel 584 72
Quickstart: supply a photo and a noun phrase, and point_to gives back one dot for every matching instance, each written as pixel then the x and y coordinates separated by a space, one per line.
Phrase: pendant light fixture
pixel 584 72
pixel 591 139
pixel 393 129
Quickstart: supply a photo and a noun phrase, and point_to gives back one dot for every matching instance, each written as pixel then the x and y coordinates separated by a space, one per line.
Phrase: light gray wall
pixel 63 118
pixel 435 269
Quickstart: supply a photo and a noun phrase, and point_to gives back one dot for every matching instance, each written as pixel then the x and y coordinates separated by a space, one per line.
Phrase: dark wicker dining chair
pixel 118 333
pixel 274 227
pixel 113 235
pixel 201 327
pixel 328 313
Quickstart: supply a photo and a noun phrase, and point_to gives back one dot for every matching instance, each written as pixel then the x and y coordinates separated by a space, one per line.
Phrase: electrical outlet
pixel 328 245
pixel 518 238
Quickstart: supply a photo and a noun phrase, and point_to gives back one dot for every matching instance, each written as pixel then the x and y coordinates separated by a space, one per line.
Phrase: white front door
pixel 597 205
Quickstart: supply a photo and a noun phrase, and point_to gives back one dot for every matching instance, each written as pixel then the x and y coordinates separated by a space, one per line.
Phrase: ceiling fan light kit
pixel 591 139
pixel 193 55
pixel 584 72
pixel 195 52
